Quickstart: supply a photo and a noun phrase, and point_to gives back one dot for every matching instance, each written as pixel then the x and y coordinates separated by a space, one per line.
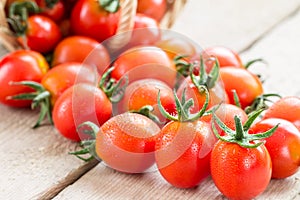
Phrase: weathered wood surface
pixel 35 164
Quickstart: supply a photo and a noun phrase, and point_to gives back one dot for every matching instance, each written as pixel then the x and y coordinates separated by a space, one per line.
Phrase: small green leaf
pixel 111 6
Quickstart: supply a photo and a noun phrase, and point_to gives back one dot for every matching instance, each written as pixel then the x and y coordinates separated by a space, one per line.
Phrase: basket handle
pixel 126 23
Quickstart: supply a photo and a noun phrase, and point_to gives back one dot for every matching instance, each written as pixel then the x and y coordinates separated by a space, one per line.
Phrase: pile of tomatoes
pixel 159 100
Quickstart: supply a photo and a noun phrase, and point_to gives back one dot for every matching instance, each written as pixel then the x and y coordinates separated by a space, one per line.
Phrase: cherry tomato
pixel 81 49
pixel 147 62
pixel 287 108
pixel 239 172
pixel 145 31
pixel 42 34
pixel 217 95
pixel 246 85
pixel 183 152
pixel 18 66
pixel 153 8
pixel 54 12
pixel 90 19
pixel 126 142
pixel 226 57
pixel 65 75
pixel 80 103
pixel 144 92
pixel 283 146
pixel 176 46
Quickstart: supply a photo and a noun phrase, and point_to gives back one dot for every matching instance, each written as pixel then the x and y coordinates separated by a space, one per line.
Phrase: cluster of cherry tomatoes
pixel 161 101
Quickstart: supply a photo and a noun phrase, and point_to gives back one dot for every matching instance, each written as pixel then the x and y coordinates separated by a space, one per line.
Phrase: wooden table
pixel 35 164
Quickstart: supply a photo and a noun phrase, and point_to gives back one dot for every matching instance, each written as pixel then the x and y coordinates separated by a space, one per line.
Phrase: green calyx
pixel 260 102
pixel 241 136
pixel 41 97
pixel 91 129
pixel 183 107
pixel 113 89
pixel 111 6
pixel 148 112
pixel 51 3
pixel 204 78
pixel 182 66
pixel 18 15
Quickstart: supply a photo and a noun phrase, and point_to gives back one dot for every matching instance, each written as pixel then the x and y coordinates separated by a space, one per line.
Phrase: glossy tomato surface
pixel 21 65
pixel 126 142
pixel 90 19
pixel 283 146
pixel 78 104
pixel 183 153
pixel 238 172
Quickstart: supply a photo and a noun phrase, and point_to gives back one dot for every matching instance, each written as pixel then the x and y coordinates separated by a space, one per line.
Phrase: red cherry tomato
pixel 55 12
pixel 81 49
pixel 283 146
pixel 287 108
pixel 78 104
pixel 239 172
pixel 153 8
pixel 65 75
pixel 246 85
pixel 42 34
pixel 126 142
pixel 18 66
pixel 144 92
pixel 145 62
pixel 90 19
pixel 145 31
pixel 226 57
pixel 183 152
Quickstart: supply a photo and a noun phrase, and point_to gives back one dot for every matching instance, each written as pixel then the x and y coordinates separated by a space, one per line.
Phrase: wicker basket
pixel 8 40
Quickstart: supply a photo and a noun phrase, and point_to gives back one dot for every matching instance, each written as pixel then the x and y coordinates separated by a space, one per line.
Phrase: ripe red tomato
pixel 283 146
pixel 176 46
pixel 226 57
pixel 246 84
pixel 18 66
pixel 42 34
pixel 238 172
pixel 145 62
pixel 144 92
pixel 287 108
pixel 90 19
pixel 81 49
pixel 153 8
pixel 80 103
pixel 126 142
pixel 145 31
pixel 65 75
pixel 54 11
pixel 183 152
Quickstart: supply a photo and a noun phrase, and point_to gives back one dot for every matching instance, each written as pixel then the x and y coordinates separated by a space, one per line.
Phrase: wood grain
pixel 233 23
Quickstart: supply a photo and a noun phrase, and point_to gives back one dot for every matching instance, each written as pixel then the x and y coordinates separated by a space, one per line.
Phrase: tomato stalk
pixel 204 78
pixel 89 145
pixel 111 6
pixel 182 66
pixel 148 112
pixel 113 89
pixel 183 107
pixel 260 102
pixel 41 97
pixel 240 135
pixel 51 3
pixel 18 15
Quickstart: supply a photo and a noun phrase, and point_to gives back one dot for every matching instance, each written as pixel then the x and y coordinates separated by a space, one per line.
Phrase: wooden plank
pixel 232 23
pixel 32 161
pixel 280 48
